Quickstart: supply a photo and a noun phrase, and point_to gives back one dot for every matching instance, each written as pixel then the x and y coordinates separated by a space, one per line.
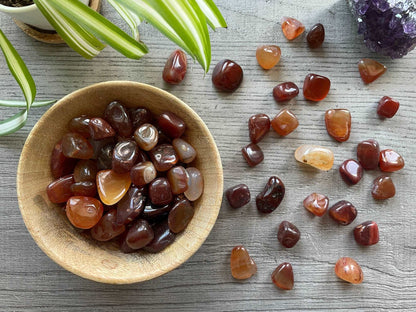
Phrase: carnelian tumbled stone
pixel 175 67
pixel 227 76
pixel 282 276
pixel 288 234
pixel 285 91
pixel 368 154
pixel 348 270
pixel 84 212
pixel 316 36
pixel 351 171
pixel 258 127
pixel 383 188
pixel 238 195
pixel 107 228
pixel 316 156
pixel 292 28
pixel 316 204
pixel 370 70
pixel 272 195
pixel 285 122
pixel 59 190
pixel 75 145
pixel 338 124
pixel 366 233
pixel 387 107
pixel 253 154
pixel 112 186
pixel 390 161
pixel 343 212
pixel 242 266
pixel 268 56
pixel 60 164
pixel 316 87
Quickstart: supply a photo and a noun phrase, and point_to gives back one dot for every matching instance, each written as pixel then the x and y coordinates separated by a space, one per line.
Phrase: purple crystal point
pixel 388 26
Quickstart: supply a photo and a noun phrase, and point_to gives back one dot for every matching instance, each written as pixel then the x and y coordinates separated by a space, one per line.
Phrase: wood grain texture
pixel 32 282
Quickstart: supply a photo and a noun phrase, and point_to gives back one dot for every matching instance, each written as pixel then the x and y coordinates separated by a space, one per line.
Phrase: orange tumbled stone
pixel 370 70
pixel 268 56
pixel 316 156
pixel 282 277
pixel 316 204
pixel 84 212
pixel 284 122
pixel 112 186
pixel 338 124
pixel 316 87
pixel 292 28
pixel 390 161
pixel 349 270
pixel 242 266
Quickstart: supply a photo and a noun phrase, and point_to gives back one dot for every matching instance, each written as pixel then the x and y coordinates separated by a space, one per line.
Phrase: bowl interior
pixel 73 249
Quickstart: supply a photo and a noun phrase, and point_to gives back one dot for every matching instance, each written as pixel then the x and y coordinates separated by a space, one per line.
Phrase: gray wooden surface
pixel 30 281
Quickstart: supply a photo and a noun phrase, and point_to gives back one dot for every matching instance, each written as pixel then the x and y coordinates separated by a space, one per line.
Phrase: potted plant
pixel 87 32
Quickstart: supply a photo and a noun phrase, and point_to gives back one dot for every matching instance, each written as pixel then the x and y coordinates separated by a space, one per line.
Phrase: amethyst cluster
pixel 388 26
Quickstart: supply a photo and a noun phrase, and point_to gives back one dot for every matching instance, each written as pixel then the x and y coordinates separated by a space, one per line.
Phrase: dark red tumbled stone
pixel 163 157
pixel 227 75
pixel 163 237
pixel 100 129
pixel 258 127
pixel 60 164
pixel 118 117
pixel 383 188
pixel 316 36
pixel 351 171
pixel 387 107
pixel 175 67
pixel 253 154
pixel 160 192
pixel 288 234
pixel 271 196
pixel 368 154
pixel 238 195
pixel 366 233
pixel 343 212
pixel 171 124
pixel 285 91
pixel 316 87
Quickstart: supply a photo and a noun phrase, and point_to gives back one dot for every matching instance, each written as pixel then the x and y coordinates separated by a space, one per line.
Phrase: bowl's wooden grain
pixel 72 249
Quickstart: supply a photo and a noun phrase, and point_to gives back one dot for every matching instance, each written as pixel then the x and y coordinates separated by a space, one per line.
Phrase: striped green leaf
pixel 213 14
pixel 102 28
pixel 14 103
pixel 79 39
pixel 13 123
pixel 132 20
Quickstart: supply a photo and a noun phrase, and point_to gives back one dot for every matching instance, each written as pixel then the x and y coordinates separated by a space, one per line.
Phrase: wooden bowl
pixel 75 250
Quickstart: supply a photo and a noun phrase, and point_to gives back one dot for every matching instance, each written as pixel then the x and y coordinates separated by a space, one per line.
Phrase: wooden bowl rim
pixel 85 274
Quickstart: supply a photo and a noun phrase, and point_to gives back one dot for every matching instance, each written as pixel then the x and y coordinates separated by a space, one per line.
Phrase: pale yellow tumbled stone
pixel 315 156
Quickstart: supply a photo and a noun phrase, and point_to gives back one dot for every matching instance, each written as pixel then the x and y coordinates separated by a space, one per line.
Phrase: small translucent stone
pixel 387 107
pixel 348 270
pixel 146 136
pixel 75 145
pixel 107 228
pixel 316 156
pixel 163 237
pixel 125 155
pixel 143 173
pixel 118 117
pixel 292 28
pixel 227 75
pixel 185 151
pixel 370 70
pixel 163 157
pixel 178 179
pixel 285 91
pixel 139 235
pixel 284 122
pixel 351 171
pixel 140 116
pixel 131 205
pixel 155 213
pixel 272 195
pixel 343 212
pixel 100 129
pixel 366 233
pixel 316 204
pixel 282 276
pixel 112 186
pixel 288 234
pixel 84 212
pixel 60 164
pixel 59 191
pixel 338 124
pixel 238 195
pixel 85 170
pixel 253 154
pixel 316 36
pixel 171 124
pixel 160 192
pixel 368 152
pixel 383 188
pixel 390 161
pixel 316 87
pixel 180 216
pixel 268 56
pixel 175 67
pixel 242 266
pixel 195 184
pixel 258 127
pixel 80 125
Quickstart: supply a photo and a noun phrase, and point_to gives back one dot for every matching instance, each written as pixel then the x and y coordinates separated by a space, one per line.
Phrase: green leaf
pixel 14 103
pixel 129 17
pixel 79 39
pixel 213 14
pixel 18 69
pixel 182 21
pixel 13 123
pixel 99 26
